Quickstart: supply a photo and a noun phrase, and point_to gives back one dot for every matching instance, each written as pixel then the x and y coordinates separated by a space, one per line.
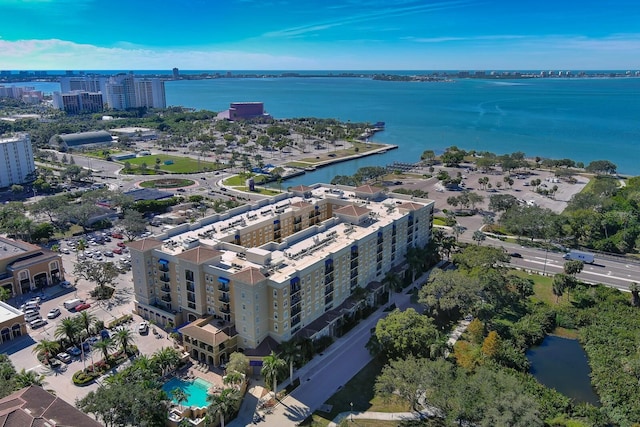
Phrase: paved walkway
pixel 386 416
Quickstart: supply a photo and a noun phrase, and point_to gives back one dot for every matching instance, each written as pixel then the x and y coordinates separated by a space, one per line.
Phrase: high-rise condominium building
pixel 16 160
pixel 286 267
pixel 150 93
pixel 77 102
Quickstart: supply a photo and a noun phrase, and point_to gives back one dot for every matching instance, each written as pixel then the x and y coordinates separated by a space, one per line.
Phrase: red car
pixel 83 306
pixel 117 235
pixel 117 251
pixel 122 245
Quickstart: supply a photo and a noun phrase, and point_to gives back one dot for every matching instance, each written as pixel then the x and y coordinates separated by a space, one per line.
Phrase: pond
pixel 562 364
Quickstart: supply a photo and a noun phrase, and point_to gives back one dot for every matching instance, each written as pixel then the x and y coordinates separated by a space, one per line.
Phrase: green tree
pixel 404 333
pixel 450 292
pixel 167 358
pixel 491 345
pixel 272 367
pixel 86 320
pixel 180 396
pixel 560 283
pixel 28 378
pixel 101 274
pixel 124 338
pixel 290 351
pixel 68 328
pixel 133 223
pixel 104 346
pixel 7 376
pixel 47 348
pixel 224 403
pixel 234 379
pixel 238 362
pixel 5 294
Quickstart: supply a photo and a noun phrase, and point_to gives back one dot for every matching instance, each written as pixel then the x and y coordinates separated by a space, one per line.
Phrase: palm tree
pixel 104 346
pixel 28 378
pixel 415 260
pixel 47 348
pixel 81 246
pixel 291 354
pixel 272 365
pixel 392 281
pixel 166 358
pixel 234 378
pixel 67 328
pixel 179 395
pixel 223 404
pixel 86 320
pixel 124 337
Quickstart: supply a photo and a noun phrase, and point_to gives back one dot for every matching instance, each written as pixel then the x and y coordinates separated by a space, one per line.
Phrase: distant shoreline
pixel 7 77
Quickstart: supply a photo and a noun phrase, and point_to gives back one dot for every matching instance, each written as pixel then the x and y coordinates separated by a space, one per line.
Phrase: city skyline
pixel 338 35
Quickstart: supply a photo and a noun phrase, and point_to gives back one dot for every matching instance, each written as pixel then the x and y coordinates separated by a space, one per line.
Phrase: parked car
pixel 143 328
pixel 35 300
pixel 64 357
pixel 108 254
pixel 121 244
pixel 38 323
pixel 117 235
pixel 66 284
pixel 74 351
pixel 104 334
pixel 83 306
pixel 53 313
pixel 117 251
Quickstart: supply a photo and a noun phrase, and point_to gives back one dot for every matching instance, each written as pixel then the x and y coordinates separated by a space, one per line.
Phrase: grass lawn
pixel 258 190
pixel 360 391
pixel 543 288
pixel 180 164
pixel 167 183
pixel 241 179
pixel 69 233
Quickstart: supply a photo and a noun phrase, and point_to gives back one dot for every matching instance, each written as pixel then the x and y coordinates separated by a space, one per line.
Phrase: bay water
pixel 582 119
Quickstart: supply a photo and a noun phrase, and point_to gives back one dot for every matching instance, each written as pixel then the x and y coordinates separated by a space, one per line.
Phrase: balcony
pixel 224 298
pixel 354 255
pixel 166 298
pixel 223 287
pixel 328 270
pixel 328 299
pixel 163 267
pixel 354 264
pixel 225 308
pixel 328 290
pixel 295 320
pixel 295 299
pixel 191 287
pixel 296 310
pixel 328 279
pixel 165 278
pixel 165 289
pixel 354 274
pixel 379 249
pixel 294 288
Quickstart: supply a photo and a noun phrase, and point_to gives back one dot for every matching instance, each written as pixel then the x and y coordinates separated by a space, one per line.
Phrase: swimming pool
pixel 196 391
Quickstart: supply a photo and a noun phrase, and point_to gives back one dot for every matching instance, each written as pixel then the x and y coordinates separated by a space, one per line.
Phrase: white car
pixel 143 328
pixel 38 323
pixel 53 313
pixel 64 357
pixel 65 251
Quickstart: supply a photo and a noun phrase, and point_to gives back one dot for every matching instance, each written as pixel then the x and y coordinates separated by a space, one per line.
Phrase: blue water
pixel 196 391
pixel 561 364
pixel 582 119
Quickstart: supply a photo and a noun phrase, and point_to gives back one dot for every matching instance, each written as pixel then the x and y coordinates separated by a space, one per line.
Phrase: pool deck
pixel 206 372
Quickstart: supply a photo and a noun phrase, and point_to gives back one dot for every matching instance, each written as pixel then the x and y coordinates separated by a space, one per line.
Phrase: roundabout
pixel 167 183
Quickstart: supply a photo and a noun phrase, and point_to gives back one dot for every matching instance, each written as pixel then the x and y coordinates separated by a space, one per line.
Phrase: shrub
pixel 120 321
pixel 82 378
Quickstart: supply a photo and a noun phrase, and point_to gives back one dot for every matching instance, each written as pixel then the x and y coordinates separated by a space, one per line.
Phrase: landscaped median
pixel 87 376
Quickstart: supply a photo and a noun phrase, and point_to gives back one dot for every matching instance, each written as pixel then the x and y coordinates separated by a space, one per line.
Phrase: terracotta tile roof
pixel 34 407
pixel 199 254
pixel 144 244
pixel 208 331
pixel 410 206
pixel 250 275
pixel 351 210
pixel 369 189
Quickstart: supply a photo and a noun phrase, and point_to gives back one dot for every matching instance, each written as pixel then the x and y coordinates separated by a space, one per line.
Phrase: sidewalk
pixel 387 416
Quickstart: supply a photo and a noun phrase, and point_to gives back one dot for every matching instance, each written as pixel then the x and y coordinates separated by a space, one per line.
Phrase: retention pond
pixel 561 363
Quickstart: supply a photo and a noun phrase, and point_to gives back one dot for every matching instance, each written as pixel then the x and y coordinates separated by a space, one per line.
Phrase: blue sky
pixel 319 35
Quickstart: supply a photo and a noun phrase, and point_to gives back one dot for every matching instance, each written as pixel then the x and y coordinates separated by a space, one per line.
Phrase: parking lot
pixel 52 301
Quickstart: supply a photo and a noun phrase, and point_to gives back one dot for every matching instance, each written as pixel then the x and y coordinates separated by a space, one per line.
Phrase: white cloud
pixel 56 54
